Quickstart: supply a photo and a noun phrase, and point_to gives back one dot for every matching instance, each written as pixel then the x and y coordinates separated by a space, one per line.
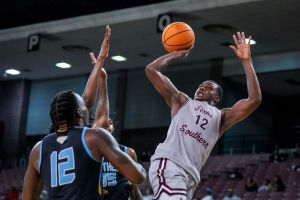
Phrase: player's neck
pixel 210 102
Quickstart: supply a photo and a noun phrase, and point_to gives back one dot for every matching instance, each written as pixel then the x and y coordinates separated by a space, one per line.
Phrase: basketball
pixel 178 36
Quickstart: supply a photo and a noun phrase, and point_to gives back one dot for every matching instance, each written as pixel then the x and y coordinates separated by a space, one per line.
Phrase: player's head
pixel 208 191
pixel 209 91
pixel 111 127
pixel 67 110
pixel 229 192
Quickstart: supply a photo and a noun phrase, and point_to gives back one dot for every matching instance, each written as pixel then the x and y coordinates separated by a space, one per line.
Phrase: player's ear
pixel 79 113
pixel 217 99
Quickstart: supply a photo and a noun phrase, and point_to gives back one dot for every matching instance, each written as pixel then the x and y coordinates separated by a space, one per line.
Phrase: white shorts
pixel 169 181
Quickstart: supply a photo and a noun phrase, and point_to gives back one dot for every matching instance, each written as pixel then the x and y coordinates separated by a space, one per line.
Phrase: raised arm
pixel 243 108
pixel 102 111
pixel 90 92
pixel 32 185
pixel 103 143
pixel 162 84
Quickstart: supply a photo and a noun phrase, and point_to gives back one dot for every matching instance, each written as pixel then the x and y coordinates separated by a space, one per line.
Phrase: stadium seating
pixel 214 175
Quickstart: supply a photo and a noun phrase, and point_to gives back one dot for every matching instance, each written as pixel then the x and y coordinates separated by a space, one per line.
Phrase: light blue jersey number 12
pixel 59 169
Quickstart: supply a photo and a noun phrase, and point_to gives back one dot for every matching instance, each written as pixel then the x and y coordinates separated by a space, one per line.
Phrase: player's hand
pixel 184 53
pixel 241 47
pixel 105 192
pixel 105 44
pixel 103 54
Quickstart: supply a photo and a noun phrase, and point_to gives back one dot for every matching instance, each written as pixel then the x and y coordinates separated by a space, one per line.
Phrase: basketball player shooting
pixel 196 124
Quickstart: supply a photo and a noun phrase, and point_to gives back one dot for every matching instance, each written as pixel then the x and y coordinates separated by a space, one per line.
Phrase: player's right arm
pixel 162 84
pixel 104 144
pixel 32 185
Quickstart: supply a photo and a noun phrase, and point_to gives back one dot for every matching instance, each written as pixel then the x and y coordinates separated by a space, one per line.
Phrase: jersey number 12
pixel 204 122
pixel 59 169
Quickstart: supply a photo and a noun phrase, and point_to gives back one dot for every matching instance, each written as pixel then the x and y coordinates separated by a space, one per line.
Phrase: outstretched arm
pixel 90 92
pixel 162 84
pixel 32 185
pixel 103 143
pixel 243 108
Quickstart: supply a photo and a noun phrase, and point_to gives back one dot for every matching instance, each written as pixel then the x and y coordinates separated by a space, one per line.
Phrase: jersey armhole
pixel 219 124
pixel 86 148
pixel 40 157
pixel 187 100
pixel 100 189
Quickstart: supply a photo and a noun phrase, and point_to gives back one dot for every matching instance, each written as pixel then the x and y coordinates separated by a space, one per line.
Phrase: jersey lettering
pixel 109 179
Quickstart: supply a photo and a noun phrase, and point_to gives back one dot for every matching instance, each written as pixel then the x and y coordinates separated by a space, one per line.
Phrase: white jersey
pixel 193 132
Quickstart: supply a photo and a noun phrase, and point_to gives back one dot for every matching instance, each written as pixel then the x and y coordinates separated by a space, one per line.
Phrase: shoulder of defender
pixel 96 133
pixel 131 153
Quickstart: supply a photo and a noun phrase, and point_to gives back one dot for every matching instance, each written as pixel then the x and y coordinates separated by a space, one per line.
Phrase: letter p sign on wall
pixel 33 42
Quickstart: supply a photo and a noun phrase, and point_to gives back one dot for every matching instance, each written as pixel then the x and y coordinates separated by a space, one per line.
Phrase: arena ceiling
pixel 19 12
pixel 274 24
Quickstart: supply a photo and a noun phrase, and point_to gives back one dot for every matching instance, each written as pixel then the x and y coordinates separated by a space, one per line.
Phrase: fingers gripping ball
pixel 178 36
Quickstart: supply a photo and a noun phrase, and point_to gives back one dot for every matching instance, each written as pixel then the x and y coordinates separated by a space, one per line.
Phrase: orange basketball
pixel 178 36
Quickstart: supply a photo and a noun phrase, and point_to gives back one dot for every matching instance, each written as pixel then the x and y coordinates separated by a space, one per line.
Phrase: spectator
pixel 12 194
pixel 284 154
pixel 266 186
pixel 296 167
pixel 250 185
pixel 231 196
pixel 208 195
pixel 236 174
pixel 278 155
pixel 278 184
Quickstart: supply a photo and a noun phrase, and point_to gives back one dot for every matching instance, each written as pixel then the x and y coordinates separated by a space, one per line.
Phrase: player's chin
pixel 198 98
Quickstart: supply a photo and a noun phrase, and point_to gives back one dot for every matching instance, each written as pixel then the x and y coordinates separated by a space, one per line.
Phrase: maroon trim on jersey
pixel 163 187
pixel 185 102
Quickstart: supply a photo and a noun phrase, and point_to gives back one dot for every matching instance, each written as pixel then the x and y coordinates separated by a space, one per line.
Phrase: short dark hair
pixel 63 109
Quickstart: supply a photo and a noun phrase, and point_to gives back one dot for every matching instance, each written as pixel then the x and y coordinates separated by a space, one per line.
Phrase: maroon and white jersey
pixel 193 132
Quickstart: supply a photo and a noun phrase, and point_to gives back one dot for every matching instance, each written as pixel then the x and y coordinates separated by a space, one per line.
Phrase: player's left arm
pixel 90 92
pixel 102 111
pixel 243 108
pixel 135 193
pixel 32 186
